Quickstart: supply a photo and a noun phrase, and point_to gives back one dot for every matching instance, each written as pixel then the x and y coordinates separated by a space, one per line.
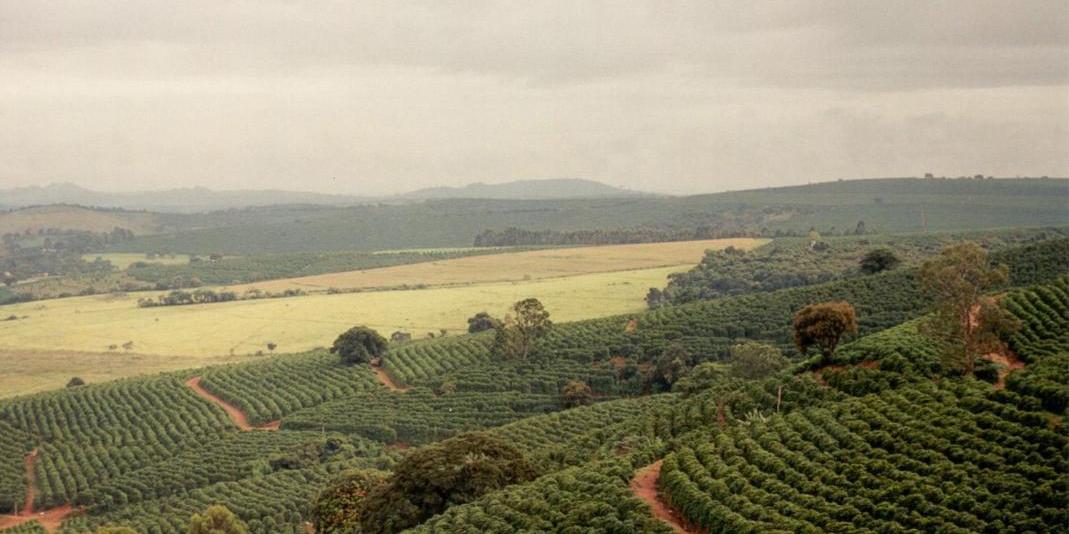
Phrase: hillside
pixel 834 208
pixel 78 218
pixel 864 450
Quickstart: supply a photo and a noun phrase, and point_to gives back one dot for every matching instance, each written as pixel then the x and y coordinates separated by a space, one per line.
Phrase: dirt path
pixel 49 519
pixel 384 378
pixel 1009 362
pixel 644 486
pixel 235 414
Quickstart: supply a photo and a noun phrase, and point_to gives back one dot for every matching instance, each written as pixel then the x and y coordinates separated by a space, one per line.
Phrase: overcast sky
pixel 382 97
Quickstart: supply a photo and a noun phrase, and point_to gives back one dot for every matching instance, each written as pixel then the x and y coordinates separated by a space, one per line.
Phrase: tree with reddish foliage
pixel 823 326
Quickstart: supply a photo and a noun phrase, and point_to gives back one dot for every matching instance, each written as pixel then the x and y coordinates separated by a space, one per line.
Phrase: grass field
pixel 122 260
pixel 516 266
pixel 56 339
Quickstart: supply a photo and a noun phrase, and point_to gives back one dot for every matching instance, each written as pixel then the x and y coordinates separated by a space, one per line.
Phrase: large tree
pixel 670 366
pixel 520 330
pixel 481 322
pixel 217 519
pixel 432 478
pixel 968 323
pixel 338 507
pixel 877 260
pixel 753 360
pixel 359 344
pixel 576 393
pixel 823 325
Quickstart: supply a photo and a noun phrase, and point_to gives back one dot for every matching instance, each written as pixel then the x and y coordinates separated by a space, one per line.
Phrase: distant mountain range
pixel 195 199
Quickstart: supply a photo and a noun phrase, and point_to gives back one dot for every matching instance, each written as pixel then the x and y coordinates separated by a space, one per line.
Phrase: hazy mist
pixel 383 97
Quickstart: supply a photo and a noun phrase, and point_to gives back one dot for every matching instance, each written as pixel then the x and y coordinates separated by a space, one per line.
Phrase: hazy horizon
pixel 385 98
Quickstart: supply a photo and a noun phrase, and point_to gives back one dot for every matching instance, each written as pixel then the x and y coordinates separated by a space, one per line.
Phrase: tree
pixel 752 360
pixel 359 344
pixel 481 322
pixel 671 365
pixel 518 333
pixel 576 393
pixel 338 507
pixel 702 377
pixel 75 382
pixel 432 478
pixel 823 325
pixel 878 260
pixel 271 346
pixel 860 228
pixel 399 337
pixel 962 318
pixel 217 519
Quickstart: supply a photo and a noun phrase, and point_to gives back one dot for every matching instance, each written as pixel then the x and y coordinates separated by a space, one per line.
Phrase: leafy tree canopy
pixel 359 344
pixel 823 325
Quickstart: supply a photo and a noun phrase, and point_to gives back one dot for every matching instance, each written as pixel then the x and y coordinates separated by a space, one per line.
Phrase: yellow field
pixel 515 266
pixel 122 260
pixel 84 336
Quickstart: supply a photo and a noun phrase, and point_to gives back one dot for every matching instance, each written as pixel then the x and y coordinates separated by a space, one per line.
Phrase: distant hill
pixel 526 190
pixel 200 199
pixel 67 217
pixel 833 208
pixel 191 199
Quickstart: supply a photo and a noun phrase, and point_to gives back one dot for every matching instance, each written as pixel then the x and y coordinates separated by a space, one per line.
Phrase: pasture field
pixel 122 260
pixel 94 323
pixel 516 266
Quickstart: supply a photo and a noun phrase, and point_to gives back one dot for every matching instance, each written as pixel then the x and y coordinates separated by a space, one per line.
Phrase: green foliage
pixel 216 519
pixel 753 360
pixel 590 499
pixel 359 344
pixel 822 325
pixel 269 389
pixel 481 322
pixel 115 530
pixel 1042 314
pixel 877 463
pixel 431 479
pixel 878 260
pixel 791 262
pixel 576 393
pixel 258 267
pixel 1047 381
pixel 673 363
pixel 968 324
pixel 75 382
pixel 338 507
pixel 517 334
pixel 419 416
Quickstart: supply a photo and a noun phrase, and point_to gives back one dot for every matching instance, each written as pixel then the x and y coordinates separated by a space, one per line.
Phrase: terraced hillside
pixel 786 452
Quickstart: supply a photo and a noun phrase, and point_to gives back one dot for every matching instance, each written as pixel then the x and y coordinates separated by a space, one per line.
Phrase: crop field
pixel 518 266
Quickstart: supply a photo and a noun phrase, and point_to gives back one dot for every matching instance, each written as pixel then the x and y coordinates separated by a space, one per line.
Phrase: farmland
pixel 85 336
pixel 238 403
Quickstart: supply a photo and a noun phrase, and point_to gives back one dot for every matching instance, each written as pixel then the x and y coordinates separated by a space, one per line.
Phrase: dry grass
pixel 515 266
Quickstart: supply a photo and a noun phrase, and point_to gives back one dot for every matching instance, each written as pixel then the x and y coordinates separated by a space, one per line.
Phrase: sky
pixel 385 97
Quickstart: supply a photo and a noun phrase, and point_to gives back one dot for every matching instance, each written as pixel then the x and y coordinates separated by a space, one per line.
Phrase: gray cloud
pixel 371 97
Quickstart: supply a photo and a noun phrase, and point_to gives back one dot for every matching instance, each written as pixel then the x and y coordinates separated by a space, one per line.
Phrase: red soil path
pixel 644 486
pixel 50 519
pixel 384 378
pixel 1009 362
pixel 235 414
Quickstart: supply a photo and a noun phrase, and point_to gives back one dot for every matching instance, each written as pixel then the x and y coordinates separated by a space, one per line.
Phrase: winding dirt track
pixel 236 415
pixel 644 486
pixel 50 519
